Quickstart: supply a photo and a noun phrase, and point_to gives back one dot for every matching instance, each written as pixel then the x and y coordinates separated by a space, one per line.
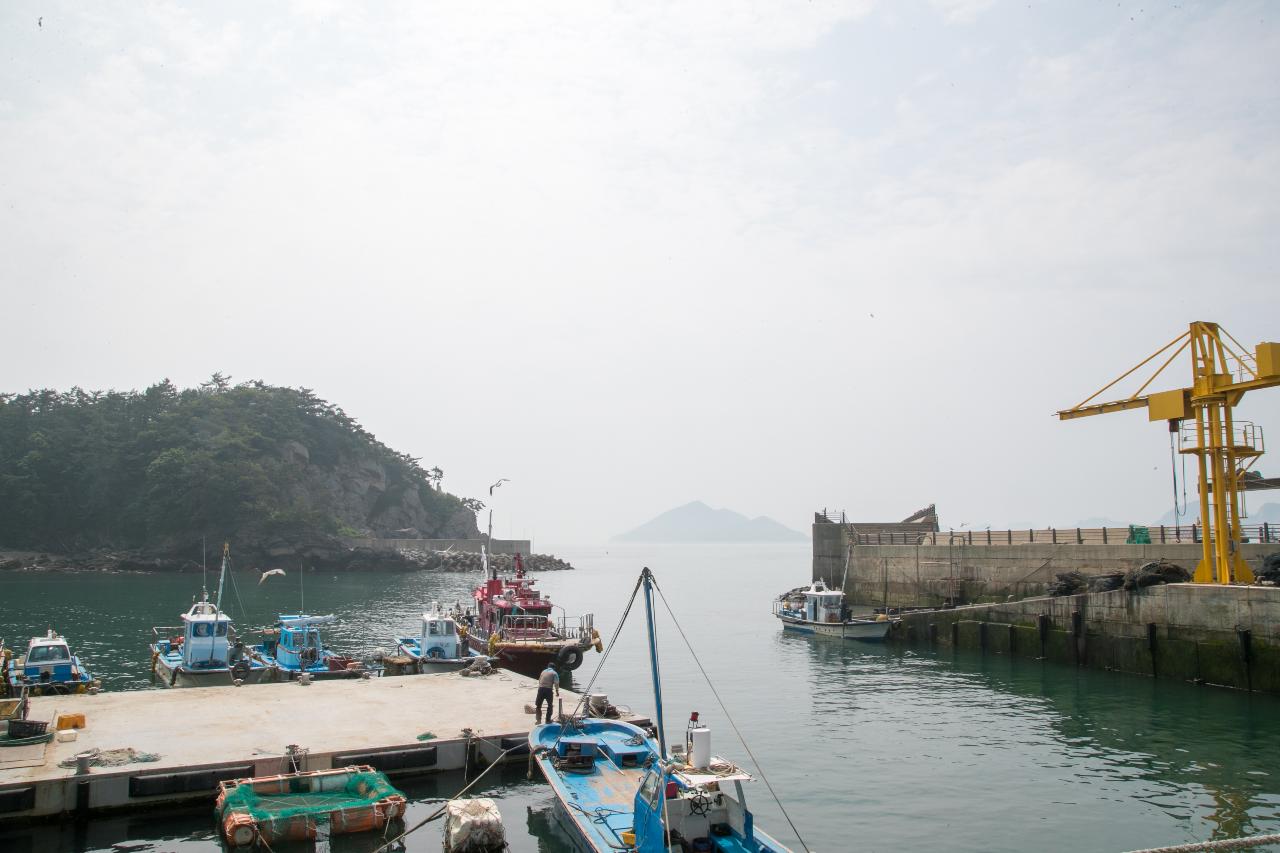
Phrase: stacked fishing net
pixel 289 808
pixel 472 826
pixel 1149 574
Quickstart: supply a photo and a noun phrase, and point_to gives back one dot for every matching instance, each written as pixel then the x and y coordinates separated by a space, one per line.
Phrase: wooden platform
pixel 204 735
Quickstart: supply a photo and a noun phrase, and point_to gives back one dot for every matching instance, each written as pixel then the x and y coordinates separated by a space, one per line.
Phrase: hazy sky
pixel 773 256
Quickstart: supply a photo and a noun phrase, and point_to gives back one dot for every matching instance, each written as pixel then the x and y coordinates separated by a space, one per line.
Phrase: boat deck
pixel 205 735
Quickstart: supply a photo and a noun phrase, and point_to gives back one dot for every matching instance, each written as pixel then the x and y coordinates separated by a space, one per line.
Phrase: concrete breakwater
pixel 464 561
pixel 1221 635
pixel 964 569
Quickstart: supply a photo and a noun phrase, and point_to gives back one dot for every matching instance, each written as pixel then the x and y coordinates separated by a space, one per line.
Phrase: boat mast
pixel 222 576
pixel 646 578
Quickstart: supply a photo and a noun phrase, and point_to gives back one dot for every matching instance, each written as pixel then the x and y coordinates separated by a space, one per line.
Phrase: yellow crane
pixel 1220 375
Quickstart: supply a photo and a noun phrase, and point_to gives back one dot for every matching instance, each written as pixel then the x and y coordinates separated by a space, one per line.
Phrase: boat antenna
pixel 302 593
pixel 204 565
pixel 222 576
pixel 646 580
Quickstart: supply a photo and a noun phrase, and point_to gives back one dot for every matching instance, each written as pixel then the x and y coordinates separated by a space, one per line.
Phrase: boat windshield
pixel 45 654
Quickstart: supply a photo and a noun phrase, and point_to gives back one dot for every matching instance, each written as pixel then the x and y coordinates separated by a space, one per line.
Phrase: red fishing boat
pixel 511 622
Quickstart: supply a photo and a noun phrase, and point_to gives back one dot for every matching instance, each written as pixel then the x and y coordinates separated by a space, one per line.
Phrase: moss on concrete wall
pixel 1228 636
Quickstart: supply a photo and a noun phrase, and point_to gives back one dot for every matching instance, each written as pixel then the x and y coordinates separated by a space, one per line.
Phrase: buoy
pixel 239 829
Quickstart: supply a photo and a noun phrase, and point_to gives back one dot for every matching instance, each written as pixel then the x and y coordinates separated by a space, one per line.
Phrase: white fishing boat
pixel 619 790
pixel 204 651
pixel 48 668
pixel 820 610
pixel 442 645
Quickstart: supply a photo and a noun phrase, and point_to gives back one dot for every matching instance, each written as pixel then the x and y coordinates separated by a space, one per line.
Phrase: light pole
pixel 491 488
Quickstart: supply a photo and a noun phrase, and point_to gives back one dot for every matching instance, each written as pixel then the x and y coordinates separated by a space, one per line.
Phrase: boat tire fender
pixel 569 658
pixel 435 652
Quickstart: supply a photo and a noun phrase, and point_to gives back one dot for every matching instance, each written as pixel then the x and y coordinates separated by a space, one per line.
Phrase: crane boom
pixel 1220 377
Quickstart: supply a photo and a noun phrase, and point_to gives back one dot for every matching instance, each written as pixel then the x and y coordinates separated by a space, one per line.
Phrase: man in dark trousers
pixel 548 680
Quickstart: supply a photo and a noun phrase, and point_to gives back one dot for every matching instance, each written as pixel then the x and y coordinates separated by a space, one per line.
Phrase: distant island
pixel 697 522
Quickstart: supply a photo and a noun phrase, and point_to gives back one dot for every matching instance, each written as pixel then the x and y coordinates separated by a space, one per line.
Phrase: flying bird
pixel 268 573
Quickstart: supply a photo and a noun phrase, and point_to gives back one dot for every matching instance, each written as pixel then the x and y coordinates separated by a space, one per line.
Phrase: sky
pixel 777 257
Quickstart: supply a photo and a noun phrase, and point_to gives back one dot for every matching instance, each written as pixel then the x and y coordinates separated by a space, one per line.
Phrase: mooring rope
pixel 1225 844
pixel 438 812
pixel 586 691
pixel 729 717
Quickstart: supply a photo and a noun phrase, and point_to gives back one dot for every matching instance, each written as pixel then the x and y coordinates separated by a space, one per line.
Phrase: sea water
pixel 867 747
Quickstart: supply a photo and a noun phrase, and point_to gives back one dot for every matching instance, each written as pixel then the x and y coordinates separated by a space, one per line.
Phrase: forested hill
pixel 260 466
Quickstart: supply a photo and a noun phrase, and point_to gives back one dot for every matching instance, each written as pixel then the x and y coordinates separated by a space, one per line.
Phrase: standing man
pixel 546 681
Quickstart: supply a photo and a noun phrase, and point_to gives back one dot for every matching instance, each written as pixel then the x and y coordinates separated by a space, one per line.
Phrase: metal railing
pixel 1159 535
pixel 579 627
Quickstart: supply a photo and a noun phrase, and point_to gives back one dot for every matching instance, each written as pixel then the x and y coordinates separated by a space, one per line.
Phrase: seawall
pixel 1222 635
pixel 907 575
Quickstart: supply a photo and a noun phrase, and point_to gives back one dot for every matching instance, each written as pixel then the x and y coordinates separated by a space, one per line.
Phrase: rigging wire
pixel 728 717
pixel 244 614
pixel 586 691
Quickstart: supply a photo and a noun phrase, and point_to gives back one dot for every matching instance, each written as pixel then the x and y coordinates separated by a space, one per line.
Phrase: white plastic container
pixel 700 749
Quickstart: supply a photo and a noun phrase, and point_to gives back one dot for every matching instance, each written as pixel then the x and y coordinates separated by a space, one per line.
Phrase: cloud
pixel 550 242
pixel 962 11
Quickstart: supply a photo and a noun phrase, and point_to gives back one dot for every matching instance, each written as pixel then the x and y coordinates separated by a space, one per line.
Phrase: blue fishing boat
pixel 204 650
pixel 48 668
pixel 295 647
pixel 619 789
pixel 442 645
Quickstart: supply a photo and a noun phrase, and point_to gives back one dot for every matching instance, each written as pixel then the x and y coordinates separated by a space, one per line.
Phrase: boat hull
pixel 530 658
pixel 596 800
pixel 868 630
pixel 410 647
pixel 17 685
pixel 175 675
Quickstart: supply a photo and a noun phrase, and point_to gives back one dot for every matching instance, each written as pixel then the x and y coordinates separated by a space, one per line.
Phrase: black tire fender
pixel 569 658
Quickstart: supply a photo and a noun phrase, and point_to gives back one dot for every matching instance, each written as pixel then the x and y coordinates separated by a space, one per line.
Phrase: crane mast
pixel 1224 449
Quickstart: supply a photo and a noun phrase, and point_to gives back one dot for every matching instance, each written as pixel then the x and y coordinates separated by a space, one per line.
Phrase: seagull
pixel 268 573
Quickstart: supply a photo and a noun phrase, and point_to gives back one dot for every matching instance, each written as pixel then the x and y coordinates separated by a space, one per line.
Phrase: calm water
pixel 870 748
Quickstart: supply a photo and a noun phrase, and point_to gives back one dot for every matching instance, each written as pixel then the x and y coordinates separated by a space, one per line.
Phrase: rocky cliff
pixel 150 475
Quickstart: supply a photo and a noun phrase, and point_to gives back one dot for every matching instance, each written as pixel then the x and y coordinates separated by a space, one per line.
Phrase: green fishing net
pixel 310 795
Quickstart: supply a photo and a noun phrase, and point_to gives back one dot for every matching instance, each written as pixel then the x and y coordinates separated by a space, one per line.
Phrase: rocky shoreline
pixel 322 558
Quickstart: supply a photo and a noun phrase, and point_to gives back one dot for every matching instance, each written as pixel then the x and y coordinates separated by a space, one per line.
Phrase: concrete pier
pixel 1209 634
pixel 410 725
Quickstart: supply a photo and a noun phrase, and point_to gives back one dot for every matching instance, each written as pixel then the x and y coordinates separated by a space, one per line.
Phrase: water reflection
pixel 1198 755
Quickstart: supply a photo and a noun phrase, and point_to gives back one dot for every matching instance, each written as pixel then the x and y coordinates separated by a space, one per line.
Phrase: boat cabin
pixel 298 645
pixel 514 607
pixel 440 637
pixel 822 604
pixel 49 659
pixel 206 637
